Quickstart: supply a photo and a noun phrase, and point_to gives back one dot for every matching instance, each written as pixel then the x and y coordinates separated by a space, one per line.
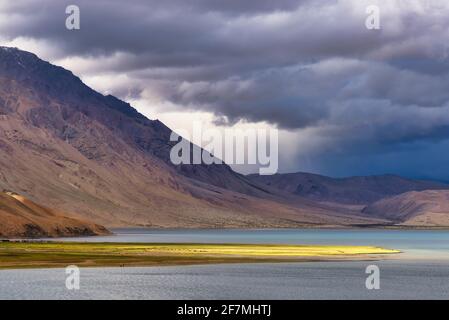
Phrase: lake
pixel 420 272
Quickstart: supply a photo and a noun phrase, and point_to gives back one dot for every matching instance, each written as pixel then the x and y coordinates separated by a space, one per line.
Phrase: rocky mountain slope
pixel 76 150
pixel 21 217
pixel 353 190
pixel 428 208
pixel 73 149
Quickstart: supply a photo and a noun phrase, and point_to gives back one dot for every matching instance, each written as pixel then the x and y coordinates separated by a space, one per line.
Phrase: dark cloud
pixel 300 65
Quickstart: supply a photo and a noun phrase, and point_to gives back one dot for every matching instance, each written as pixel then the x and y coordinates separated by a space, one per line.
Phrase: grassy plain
pixel 60 254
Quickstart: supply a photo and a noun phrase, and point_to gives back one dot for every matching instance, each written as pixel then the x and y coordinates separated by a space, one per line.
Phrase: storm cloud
pixel 359 101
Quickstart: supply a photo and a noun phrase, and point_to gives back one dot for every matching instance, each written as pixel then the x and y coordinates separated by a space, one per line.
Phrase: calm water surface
pixel 420 272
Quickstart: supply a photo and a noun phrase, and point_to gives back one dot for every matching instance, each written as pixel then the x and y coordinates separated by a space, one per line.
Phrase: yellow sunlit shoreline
pixel 59 254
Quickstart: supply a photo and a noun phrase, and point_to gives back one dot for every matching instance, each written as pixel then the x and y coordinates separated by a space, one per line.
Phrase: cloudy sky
pixel 347 100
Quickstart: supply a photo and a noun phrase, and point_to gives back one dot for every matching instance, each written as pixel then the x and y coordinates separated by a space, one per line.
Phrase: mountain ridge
pixel 76 150
pixel 358 190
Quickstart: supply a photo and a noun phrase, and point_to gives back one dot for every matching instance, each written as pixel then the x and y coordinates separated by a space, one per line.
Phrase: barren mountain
pixel 73 149
pixel 353 190
pixel 21 217
pixel 417 208
pixel 67 146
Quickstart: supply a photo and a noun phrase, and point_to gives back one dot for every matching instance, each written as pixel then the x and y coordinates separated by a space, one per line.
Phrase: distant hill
pixel 417 208
pixel 23 218
pixel 352 190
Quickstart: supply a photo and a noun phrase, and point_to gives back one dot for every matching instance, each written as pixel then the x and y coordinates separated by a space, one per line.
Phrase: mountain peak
pixel 22 65
pixel 10 49
pixel 55 81
pixel 16 54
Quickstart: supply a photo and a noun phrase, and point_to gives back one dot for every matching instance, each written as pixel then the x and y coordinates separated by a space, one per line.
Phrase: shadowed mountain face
pixel 73 149
pixel 353 190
